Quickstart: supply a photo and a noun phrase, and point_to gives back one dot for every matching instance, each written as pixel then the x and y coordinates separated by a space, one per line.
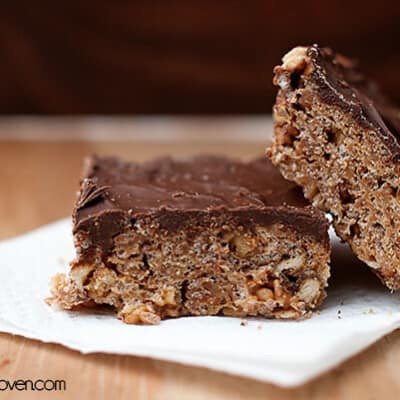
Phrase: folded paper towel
pixel 357 312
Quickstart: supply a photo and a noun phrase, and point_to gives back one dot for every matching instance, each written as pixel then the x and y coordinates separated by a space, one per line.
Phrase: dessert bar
pixel 201 236
pixel 337 136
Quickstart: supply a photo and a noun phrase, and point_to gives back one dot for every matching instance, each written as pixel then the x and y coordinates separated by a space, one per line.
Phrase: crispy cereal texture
pixel 150 275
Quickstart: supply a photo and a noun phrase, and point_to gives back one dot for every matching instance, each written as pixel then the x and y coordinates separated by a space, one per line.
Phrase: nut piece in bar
pixel 337 136
pixel 203 236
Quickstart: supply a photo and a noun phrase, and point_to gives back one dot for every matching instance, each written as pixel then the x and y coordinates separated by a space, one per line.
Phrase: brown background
pixel 178 56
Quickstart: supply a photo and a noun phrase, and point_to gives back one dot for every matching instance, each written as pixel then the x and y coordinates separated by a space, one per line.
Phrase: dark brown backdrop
pixel 178 56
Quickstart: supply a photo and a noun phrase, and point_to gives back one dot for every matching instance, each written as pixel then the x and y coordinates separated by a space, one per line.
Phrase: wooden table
pixel 38 178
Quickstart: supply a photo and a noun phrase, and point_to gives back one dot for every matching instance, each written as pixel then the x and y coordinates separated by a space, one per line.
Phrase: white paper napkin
pixel 357 312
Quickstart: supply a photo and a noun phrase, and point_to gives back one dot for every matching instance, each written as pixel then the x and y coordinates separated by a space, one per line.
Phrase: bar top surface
pixel 111 186
pixel 199 183
pixel 341 82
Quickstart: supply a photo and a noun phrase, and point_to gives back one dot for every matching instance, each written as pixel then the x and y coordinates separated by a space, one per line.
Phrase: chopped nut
pixel 102 281
pixel 281 115
pixel 243 246
pixel 309 290
pixel 277 288
pixel 139 314
pixel 295 60
pixel 169 296
pixel 265 294
pixel 292 263
pixel 79 273
pixel 166 297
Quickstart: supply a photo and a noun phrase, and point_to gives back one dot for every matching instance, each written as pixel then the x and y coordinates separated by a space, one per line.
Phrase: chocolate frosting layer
pixel 114 192
pixel 340 82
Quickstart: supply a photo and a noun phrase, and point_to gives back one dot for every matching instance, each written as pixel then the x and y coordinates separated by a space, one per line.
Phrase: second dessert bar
pixel 337 136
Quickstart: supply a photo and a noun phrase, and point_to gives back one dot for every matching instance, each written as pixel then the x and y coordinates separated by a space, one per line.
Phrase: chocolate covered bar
pixel 337 136
pixel 202 236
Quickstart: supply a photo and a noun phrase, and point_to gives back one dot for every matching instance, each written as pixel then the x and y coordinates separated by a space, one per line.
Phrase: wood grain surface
pixel 38 180
pixel 177 56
